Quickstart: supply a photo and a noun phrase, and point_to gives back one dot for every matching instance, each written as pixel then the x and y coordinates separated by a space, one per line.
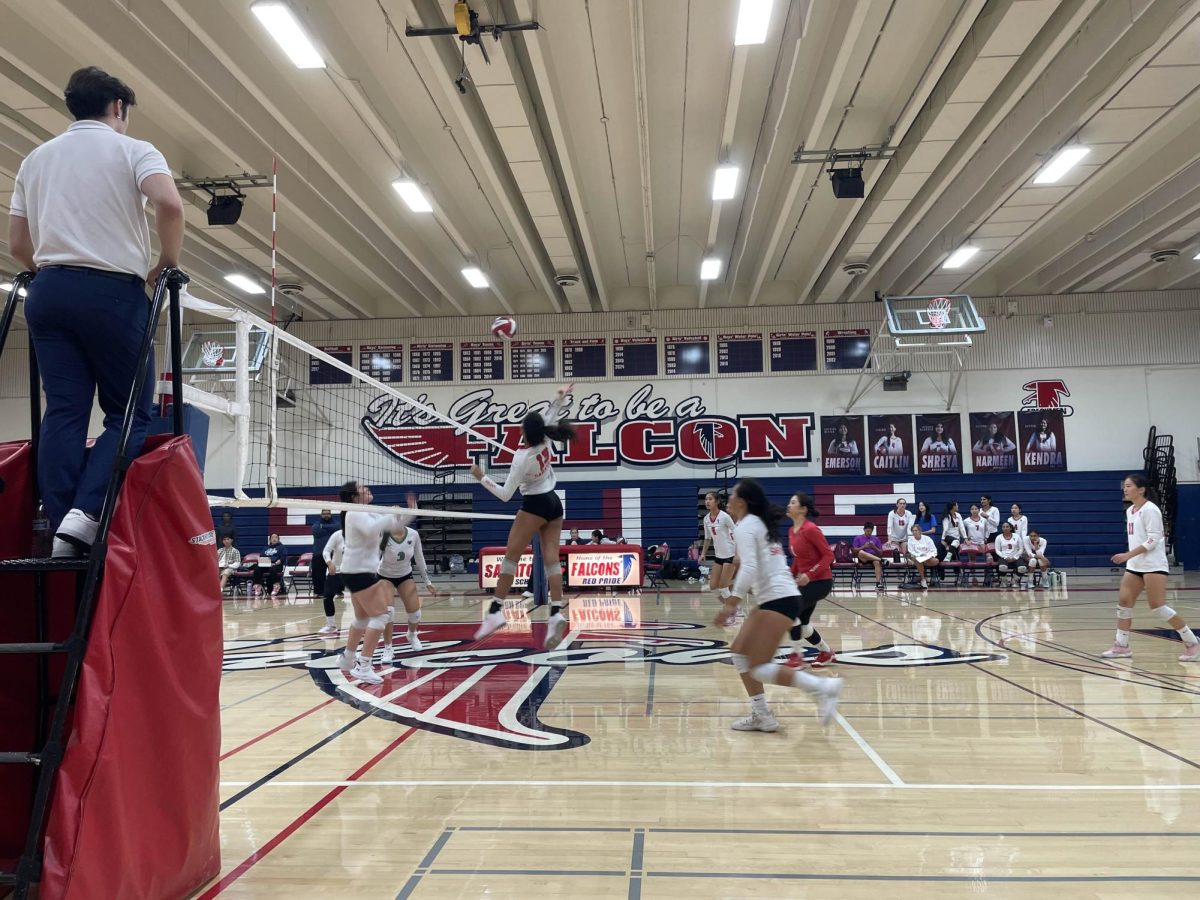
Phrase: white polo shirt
pixel 81 193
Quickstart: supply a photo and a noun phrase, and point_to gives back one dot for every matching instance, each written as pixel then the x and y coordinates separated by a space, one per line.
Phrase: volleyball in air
pixel 504 327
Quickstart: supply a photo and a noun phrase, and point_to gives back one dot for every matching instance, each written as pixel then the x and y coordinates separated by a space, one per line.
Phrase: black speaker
pixel 848 184
pixel 226 210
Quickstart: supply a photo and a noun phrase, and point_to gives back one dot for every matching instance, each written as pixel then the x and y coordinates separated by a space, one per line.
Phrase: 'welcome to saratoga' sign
pixel 645 431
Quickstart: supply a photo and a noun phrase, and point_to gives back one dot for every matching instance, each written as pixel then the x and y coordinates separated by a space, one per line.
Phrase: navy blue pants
pixel 87 332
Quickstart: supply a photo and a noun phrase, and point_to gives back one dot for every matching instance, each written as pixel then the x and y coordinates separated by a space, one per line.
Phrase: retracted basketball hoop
pixel 926 334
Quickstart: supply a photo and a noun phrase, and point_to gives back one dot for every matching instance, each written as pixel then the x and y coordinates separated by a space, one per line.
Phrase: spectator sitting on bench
pixel 868 550
pixel 922 552
pixel 575 539
pixel 1010 554
pixel 953 532
pixel 1035 550
pixel 228 560
pixel 268 575
pixel 975 527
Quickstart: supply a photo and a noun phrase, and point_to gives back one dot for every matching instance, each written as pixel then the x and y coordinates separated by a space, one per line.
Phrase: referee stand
pixel 54 732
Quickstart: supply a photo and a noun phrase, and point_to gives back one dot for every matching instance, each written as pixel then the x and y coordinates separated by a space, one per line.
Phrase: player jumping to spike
pixel 541 513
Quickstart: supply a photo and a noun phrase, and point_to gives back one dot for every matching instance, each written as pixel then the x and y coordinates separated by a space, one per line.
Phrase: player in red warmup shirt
pixel 812 566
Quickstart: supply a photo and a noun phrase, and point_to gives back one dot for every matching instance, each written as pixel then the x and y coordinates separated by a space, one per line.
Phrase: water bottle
pixel 43 540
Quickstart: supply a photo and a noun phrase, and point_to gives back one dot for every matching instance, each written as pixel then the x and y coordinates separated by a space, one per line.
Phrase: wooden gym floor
pixel 983 747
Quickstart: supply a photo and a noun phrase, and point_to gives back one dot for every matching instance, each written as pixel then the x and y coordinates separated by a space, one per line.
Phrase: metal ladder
pixel 50 742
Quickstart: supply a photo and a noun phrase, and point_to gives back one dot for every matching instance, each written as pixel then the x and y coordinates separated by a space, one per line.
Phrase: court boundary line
pixel 275 730
pixel 888 772
pixel 1028 690
pixel 291 828
pixel 730 785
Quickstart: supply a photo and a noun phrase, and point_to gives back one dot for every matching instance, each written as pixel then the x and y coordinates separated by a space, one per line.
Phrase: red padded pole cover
pixel 134 812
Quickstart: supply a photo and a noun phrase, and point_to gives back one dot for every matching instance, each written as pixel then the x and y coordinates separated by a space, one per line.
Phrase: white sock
pixel 798 648
pixel 329 620
pixel 1188 637
pixel 824 647
pixel 758 705
pixel 1122 638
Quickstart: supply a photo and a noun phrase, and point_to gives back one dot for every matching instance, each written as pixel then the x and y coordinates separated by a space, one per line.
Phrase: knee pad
pixel 378 622
pixel 362 622
pixel 1165 613
pixel 765 673
pixel 740 663
pixel 508 567
pixel 391 614
pixel 1124 613
pixel 806 630
pixel 553 570
pixel 1003 567
pixel 1022 569
pixel 414 617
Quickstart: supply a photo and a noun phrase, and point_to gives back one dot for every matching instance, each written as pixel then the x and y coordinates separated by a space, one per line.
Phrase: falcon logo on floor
pixel 492 692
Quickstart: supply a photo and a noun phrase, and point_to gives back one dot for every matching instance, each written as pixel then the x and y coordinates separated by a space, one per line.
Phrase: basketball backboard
pixel 931 316
pixel 212 353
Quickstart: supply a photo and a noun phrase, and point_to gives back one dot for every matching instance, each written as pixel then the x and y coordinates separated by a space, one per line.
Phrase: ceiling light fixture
pixel 1060 164
pixel 410 192
pixel 710 269
pixel 243 283
pixel 475 277
pixel 725 182
pixel 1197 256
pixel 754 18
pixel 960 257
pixel 281 23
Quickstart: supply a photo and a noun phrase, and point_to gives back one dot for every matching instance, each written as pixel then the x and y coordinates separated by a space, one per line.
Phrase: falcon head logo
pixel 1046 395
pixel 708 440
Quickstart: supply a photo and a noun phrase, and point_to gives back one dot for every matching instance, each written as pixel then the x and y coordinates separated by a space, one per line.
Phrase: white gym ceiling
pixel 589 147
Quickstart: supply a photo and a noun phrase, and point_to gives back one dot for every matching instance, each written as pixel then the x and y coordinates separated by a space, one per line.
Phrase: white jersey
pixel 401 557
pixel 531 471
pixel 1020 526
pixel 921 548
pixel 952 528
pixel 334 548
pixel 1144 526
pixel 364 533
pixel 1042 442
pixel 898 527
pixel 992 515
pixel 1039 550
pixel 720 534
pixel 938 445
pixel 977 530
pixel 890 446
pixel 1010 548
pixel 764 570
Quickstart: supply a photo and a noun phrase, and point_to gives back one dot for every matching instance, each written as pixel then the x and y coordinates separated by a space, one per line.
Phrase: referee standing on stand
pixel 78 219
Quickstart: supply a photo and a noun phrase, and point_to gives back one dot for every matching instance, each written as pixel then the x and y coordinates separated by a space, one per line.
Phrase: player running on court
pixel 812 567
pixel 541 513
pixel 402 556
pixel 718 531
pixel 764 573
pixel 1146 570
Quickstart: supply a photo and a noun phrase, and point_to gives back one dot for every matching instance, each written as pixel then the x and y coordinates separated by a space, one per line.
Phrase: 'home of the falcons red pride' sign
pixel 645 431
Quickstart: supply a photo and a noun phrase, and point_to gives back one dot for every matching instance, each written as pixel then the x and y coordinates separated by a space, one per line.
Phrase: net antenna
pixel 930 334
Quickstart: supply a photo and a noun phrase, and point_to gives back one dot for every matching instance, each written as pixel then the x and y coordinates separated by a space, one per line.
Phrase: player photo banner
pixel 843 441
pixel 939 437
pixel 993 442
pixel 1043 441
pixel 891 444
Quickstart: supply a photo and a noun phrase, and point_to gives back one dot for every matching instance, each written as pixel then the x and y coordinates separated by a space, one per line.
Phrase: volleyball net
pixel 300 420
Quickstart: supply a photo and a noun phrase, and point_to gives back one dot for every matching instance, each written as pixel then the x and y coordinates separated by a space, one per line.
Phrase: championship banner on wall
pixel 1043 440
pixel 489 569
pixel 891 444
pixel 994 442
pixel 843 439
pixel 939 437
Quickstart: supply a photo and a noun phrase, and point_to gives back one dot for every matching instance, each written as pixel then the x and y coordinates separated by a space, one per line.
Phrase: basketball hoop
pixel 938 312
